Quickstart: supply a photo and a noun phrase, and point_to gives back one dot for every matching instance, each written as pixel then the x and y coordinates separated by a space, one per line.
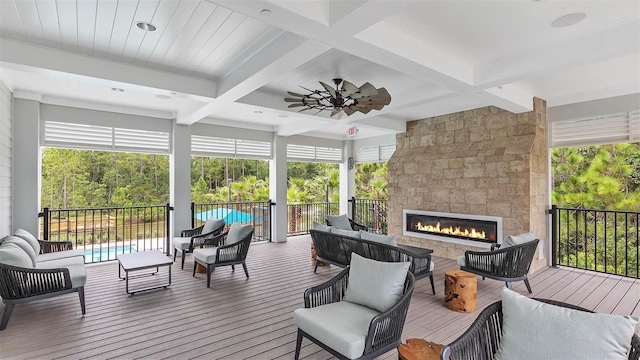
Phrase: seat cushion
pixel 342 232
pixel 12 254
pixel 61 262
pixel 512 240
pixel 375 284
pixel 205 255
pixel 61 255
pixel 238 232
pixel 342 326
pixel 24 245
pixel 535 330
pixel 29 238
pixel 382 239
pixel 77 271
pixel 339 221
pixel 181 243
pixel 212 224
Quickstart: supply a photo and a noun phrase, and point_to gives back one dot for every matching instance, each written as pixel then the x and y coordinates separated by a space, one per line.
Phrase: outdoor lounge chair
pixel 345 223
pixel 192 238
pixel 482 339
pixel 228 248
pixel 508 263
pixel 360 313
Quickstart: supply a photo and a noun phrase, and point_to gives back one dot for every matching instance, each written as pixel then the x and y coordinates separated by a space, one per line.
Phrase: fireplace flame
pixel 471 233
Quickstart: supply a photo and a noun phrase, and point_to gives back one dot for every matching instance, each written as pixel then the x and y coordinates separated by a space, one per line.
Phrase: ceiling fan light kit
pixel 348 98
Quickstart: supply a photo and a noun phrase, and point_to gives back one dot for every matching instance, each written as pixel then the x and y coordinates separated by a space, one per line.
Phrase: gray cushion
pixel 12 254
pixel 77 271
pixel 30 239
pixel 512 240
pixel 351 233
pixel 212 224
pixel 339 221
pixel 206 255
pixel 383 239
pixel 321 227
pixel 461 260
pixel 181 243
pixel 535 330
pixel 61 255
pixel 342 326
pixel 376 284
pixel 238 232
pixel 24 245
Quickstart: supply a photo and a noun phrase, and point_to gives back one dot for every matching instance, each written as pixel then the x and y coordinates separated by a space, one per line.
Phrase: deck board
pixel 239 318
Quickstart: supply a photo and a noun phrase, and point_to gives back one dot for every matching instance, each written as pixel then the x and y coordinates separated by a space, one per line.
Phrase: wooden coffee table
pixel 141 261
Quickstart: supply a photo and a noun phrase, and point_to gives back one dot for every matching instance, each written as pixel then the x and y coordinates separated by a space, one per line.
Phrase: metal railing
pixel 105 232
pixel 371 213
pixel 605 241
pixel 300 217
pixel 256 213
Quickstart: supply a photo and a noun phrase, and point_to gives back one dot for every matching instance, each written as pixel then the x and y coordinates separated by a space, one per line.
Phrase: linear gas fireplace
pixel 476 230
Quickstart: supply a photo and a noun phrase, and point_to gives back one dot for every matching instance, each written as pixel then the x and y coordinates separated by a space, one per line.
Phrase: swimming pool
pixel 106 253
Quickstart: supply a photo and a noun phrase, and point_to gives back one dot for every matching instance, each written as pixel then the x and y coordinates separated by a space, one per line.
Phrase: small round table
pixel 419 349
pixel 460 291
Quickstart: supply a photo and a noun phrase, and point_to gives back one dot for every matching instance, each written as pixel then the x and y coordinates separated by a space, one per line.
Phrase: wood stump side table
pixel 419 349
pixel 460 291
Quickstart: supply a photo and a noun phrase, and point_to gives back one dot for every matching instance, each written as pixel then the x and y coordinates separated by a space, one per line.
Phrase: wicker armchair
pixel 47 246
pixel 482 339
pixel 221 251
pixel 509 264
pixel 192 238
pixel 385 329
pixel 354 225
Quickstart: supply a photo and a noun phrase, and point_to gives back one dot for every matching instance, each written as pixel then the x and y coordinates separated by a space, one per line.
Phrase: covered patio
pixel 238 318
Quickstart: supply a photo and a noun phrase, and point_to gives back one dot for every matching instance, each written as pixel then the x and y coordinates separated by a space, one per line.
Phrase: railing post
pixel 353 208
pixel 167 219
pixel 193 215
pixel 45 223
pixel 271 205
pixel 554 235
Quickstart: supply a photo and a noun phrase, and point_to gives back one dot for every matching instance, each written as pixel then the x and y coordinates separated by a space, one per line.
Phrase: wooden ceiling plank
pixel 180 18
pixel 160 20
pixel 68 23
pixel 123 24
pixel 11 21
pixel 105 15
pixel 28 13
pixel 86 20
pixel 144 12
pixel 48 17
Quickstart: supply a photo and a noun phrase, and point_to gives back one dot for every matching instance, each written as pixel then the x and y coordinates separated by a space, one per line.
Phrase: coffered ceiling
pixel 232 62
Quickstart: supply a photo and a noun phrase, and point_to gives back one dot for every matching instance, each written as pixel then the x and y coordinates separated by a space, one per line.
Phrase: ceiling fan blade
pixel 335 111
pixel 327 87
pixel 295 94
pixel 349 110
pixel 365 90
pixel 348 88
pixel 296 105
pixel 292 100
pixel 364 110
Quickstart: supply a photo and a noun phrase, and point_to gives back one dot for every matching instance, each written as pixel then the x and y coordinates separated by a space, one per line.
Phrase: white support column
pixel 180 179
pixel 278 188
pixel 26 165
pixel 347 179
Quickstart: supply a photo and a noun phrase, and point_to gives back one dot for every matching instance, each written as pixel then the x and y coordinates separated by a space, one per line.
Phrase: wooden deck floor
pixel 238 318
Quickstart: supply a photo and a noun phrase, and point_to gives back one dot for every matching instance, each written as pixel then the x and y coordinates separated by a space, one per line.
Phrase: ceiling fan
pixel 348 98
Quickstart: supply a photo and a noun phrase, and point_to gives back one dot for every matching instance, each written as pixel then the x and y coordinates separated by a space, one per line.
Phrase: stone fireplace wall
pixel 485 161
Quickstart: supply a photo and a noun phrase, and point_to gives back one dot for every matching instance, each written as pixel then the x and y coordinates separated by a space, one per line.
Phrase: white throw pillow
pixel 535 330
pixel 340 221
pixel 383 239
pixel 24 245
pixel 29 238
pixel 212 224
pixel 375 284
pixel 350 233
pixel 512 240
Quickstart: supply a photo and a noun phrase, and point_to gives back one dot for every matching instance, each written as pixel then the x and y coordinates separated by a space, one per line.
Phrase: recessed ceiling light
pixel 265 12
pixel 145 26
pixel 163 97
pixel 568 20
pixel 117 89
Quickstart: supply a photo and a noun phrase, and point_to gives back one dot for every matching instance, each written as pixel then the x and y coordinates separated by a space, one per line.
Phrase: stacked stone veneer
pixel 485 161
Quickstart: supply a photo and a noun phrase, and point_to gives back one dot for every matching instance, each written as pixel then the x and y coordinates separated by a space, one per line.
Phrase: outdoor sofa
pixel 32 269
pixel 335 246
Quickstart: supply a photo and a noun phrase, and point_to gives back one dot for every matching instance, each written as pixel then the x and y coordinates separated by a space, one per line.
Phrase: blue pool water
pixel 104 254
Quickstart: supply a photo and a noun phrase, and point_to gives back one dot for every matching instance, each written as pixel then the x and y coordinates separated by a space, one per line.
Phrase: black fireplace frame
pixel 490 224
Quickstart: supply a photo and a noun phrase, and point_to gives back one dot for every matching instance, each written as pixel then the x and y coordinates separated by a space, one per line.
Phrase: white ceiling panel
pixel 230 62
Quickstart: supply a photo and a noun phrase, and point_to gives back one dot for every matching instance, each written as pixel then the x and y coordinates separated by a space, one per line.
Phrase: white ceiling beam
pixel 381 122
pixel 516 98
pixel 296 127
pixel 285 53
pixel 21 56
pixel 587 49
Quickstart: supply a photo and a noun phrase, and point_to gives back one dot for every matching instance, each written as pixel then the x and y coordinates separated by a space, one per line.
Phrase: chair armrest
pixel 209 239
pixel 191 232
pixel 481 339
pixel 329 292
pixel 18 283
pixel 234 252
pixel 386 328
pixel 54 246
pixel 357 226
pixel 495 246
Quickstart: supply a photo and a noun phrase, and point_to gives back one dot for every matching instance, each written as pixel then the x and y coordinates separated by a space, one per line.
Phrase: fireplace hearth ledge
pixel 447 239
